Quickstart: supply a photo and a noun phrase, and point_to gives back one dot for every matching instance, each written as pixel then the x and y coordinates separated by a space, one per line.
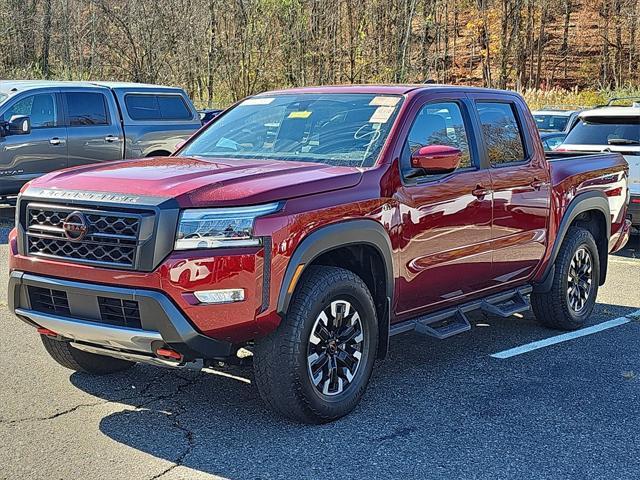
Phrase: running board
pixel 505 308
pixel 451 321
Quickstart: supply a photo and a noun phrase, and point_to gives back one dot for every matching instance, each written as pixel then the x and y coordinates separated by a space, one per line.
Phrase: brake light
pixel 635 200
pixel 616 192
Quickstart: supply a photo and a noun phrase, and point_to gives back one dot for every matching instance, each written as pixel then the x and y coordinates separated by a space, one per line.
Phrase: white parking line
pixel 616 322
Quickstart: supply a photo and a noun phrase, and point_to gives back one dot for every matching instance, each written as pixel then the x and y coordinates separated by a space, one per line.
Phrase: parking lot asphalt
pixel 434 409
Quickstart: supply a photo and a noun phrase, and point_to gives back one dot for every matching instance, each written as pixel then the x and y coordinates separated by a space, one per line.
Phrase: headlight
pixel 220 227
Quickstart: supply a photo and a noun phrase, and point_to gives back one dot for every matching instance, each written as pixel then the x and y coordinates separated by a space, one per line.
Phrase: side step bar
pixel 451 321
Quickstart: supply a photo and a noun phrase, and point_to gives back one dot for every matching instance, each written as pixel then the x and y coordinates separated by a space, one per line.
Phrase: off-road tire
pixel 80 361
pixel 552 308
pixel 281 359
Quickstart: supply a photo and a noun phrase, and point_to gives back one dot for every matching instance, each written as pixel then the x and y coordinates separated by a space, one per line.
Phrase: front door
pixel 445 220
pixel 23 157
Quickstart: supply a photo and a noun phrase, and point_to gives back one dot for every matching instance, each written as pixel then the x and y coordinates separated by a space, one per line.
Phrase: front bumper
pixel 162 324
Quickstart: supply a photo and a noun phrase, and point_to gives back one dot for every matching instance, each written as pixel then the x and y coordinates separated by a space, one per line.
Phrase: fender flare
pixel 583 202
pixel 336 235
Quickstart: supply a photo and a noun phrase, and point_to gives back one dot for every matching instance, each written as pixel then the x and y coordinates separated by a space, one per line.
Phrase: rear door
pixel 23 157
pixel 520 183
pixel 445 240
pixel 93 126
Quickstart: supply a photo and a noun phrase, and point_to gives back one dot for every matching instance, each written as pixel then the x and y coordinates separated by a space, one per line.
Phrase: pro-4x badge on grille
pixel 75 226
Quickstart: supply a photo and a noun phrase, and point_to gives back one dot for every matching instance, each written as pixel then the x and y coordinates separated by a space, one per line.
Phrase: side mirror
pixel 436 159
pixel 19 125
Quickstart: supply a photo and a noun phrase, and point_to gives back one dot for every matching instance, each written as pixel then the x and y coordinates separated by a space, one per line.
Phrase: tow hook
pixel 166 353
pixel 48 333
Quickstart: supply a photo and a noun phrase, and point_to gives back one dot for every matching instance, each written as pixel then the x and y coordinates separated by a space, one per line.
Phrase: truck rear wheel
pixel 570 301
pixel 74 359
pixel 315 367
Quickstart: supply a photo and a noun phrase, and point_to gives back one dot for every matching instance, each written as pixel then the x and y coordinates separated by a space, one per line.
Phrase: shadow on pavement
pixel 442 409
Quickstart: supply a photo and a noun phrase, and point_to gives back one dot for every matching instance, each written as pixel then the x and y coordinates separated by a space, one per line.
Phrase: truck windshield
pixel 605 131
pixel 335 129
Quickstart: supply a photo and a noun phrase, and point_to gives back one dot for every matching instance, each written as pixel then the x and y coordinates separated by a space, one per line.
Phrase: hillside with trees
pixel 223 50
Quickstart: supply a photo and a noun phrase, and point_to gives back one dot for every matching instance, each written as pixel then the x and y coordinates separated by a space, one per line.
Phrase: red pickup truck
pixel 302 228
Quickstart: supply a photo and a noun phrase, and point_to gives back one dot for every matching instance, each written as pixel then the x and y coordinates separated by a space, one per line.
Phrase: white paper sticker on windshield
pixel 258 101
pixel 382 115
pixel 383 101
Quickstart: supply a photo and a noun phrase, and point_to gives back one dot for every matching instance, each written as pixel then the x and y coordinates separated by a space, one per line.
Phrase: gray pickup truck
pixel 46 126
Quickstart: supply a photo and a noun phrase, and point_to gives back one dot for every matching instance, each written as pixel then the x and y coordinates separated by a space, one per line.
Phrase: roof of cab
pixel 15 86
pixel 399 89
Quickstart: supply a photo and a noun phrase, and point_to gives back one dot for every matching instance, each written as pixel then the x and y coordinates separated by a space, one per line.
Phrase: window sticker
pixel 302 114
pixel 382 101
pixel 258 101
pixel 382 115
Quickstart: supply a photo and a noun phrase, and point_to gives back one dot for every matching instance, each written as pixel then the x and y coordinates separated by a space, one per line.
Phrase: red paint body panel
pixel 449 245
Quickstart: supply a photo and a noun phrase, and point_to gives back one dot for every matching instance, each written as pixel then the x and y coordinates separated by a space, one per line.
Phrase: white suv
pixel 612 129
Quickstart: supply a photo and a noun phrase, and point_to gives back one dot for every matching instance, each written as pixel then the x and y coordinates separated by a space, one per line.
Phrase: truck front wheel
pixel 315 367
pixel 570 301
pixel 74 359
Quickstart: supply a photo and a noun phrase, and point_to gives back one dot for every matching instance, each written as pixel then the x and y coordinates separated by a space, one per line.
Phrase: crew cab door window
pixel 86 109
pixel 436 124
pixel 502 134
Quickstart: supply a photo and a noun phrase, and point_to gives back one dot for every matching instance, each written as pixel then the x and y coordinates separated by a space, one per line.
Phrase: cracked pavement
pixel 434 409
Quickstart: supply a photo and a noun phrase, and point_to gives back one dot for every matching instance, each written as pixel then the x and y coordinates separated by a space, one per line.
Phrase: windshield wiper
pixel 622 141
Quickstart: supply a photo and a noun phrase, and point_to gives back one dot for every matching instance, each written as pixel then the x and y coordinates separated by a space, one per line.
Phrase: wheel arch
pixel 589 210
pixel 340 237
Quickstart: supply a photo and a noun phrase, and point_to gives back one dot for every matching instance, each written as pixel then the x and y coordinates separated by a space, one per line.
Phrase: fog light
pixel 220 296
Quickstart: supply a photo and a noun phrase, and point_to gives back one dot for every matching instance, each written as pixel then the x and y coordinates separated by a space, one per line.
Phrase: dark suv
pixel 46 126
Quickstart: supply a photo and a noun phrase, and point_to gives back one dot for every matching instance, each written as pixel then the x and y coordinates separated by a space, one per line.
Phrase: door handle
pixel 537 184
pixel 111 138
pixel 480 192
pixel 56 141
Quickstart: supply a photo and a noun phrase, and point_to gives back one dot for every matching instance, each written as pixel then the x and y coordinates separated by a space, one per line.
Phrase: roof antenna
pixel 429 81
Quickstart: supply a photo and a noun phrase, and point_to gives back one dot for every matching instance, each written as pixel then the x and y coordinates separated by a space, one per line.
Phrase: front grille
pixel 46 300
pixel 111 238
pixel 115 311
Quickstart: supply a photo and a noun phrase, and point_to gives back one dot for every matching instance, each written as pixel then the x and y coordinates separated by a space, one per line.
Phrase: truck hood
pixel 194 181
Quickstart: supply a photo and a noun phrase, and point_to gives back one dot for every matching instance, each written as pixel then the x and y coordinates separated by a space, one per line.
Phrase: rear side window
pixel 86 109
pixel 501 132
pixel 157 107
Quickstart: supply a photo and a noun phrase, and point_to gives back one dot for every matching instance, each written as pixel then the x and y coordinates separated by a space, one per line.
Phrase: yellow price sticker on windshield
pixel 302 114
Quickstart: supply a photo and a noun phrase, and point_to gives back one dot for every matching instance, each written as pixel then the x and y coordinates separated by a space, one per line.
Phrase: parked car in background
pixel 308 226
pixel 551 140
pixel 46 126
pixel 555 119
pixel 208 114
pixel 612 128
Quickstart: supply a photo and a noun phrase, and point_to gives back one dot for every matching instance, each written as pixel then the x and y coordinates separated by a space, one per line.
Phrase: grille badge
pixel 75 226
